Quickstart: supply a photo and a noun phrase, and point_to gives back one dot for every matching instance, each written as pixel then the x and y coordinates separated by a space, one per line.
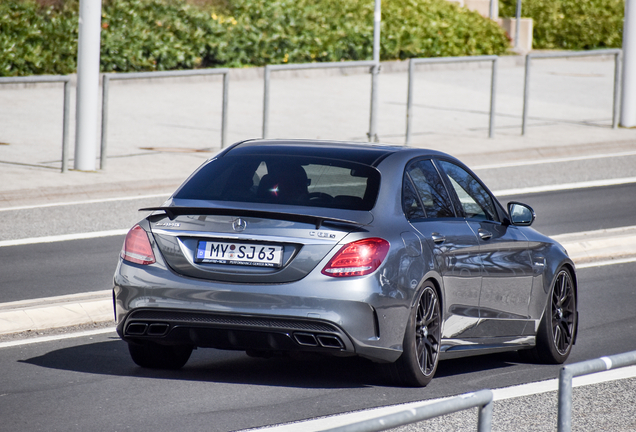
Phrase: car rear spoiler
pixel 173 212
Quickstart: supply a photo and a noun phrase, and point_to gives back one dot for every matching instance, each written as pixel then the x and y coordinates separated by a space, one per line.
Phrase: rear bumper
pixel 234 332
pixel 152 303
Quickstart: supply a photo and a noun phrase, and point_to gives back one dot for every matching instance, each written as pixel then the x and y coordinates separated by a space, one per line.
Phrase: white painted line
pixel 63 237
pixel 56 337
pixel 552 161
pixel 606 263
pixel 564 238
pixel 93 201
pixel 565 186
pixel 522 390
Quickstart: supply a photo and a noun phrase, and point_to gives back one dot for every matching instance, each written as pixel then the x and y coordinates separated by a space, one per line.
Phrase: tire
pixel 557 330
pixel 418 362
pixel 154 356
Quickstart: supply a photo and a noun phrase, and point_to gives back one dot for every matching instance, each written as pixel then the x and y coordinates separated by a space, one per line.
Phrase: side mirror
pixel 520 214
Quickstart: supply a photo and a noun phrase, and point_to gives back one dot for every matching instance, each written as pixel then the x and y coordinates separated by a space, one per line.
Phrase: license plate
pixel 239 254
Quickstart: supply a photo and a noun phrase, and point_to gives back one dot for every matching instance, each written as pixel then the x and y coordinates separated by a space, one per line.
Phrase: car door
pixel 429 208
pixel 507 267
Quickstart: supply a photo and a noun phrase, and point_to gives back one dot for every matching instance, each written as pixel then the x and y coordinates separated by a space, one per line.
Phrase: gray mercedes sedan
pixel 398 255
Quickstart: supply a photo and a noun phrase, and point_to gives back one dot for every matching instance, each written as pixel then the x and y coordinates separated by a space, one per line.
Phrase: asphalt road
pixel 77 266
pixel 90 383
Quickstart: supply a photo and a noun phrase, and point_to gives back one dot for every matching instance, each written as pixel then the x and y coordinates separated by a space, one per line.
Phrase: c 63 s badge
pixel 168 224
pixel 322 234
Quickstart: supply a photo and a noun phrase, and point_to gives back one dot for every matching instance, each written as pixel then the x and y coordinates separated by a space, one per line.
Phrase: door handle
pixel 437 238
pixel 484 235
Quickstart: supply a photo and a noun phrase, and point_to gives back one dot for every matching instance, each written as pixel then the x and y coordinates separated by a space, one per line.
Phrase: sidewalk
pixel 160 130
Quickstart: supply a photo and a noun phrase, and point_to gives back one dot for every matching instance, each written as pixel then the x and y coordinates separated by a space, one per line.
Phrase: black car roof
pixel 369 154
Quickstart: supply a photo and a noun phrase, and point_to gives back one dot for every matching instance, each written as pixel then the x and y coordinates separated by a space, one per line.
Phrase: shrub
pixel 36 40
pixel 157 35
pixel 572 24
pixel 179 34
pixel 296 31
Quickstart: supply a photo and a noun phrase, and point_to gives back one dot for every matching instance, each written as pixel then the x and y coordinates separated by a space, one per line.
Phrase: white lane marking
pixel 56 337
pixel 63 237
pixel 564 238
pixel 93 201
pixel 606 263
pixel 522 390
pixel 479 167
pixel 565 186
pixel 552 161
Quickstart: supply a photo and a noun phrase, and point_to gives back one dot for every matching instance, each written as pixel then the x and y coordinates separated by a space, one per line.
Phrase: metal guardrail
pixel 67 96
pixel 585 368
pixel 300 66
pixel 481 399
pixel 617 77
pixel 164 74
pixel 438 60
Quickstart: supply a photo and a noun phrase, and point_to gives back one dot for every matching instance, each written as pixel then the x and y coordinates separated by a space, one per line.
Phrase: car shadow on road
pixel 308 371
pixel 112 358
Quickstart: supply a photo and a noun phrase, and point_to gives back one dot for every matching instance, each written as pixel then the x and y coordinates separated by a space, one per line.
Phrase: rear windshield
pixel 290 180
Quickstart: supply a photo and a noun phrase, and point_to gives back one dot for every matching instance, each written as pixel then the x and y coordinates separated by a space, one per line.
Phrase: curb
pixel 56 312
pixel 585 248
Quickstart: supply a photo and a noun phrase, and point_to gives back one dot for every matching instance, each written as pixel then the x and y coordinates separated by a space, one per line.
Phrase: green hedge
pixel 171 34
pixel 572 24
pixel 35 40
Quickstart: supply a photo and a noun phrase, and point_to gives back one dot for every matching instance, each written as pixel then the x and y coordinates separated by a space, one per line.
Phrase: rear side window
pixel 290 180
pixel 430 190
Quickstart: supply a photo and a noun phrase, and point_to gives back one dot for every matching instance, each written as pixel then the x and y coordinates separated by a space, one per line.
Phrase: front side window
pixel 430 189
pixel 281 179
pixel 474 198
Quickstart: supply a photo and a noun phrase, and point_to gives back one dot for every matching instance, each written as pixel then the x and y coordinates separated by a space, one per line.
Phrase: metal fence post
pixel 484 417
pixel 409 103
pixel 103 143
pixel 65 110
pixel 617 89
pixel 106 78
pixel 300 66
pixel 65 124
pixel 585 368
pixel 517 23
pixel 375 71
pixel 526 89
pixel 617 78
pixel 481 399
pixel 438 60
pixel 226 86
pixel 266 102
pixel 493 97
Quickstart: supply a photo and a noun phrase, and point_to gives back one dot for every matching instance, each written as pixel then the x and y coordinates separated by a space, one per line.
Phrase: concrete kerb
pixel 585 249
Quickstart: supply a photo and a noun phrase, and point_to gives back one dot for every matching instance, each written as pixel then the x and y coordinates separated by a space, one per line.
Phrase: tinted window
pixel 284 179
pixel 410 202
pixel 475 200
pixel 431 189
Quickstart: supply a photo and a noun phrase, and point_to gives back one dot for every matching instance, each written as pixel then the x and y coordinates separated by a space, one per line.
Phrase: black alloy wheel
pixel 418 363
pixel 563 313
pixel 557 331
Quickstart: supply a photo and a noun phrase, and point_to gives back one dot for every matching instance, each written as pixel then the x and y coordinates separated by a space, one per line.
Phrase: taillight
pixel 359 258
pixel 137 248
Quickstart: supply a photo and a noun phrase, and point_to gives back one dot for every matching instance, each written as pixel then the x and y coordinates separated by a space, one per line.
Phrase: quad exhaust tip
pixel 144 329
pixel 324 341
